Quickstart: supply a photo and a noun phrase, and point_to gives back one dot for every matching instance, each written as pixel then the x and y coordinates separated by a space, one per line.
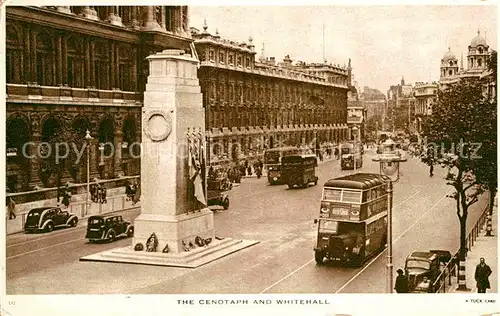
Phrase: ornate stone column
pixel 64 9
pixel 135 17
pixel 90 13
pixel 113 17
pixel 150 24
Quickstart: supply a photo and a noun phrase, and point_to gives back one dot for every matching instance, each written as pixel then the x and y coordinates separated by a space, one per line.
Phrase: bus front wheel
pixel 319 256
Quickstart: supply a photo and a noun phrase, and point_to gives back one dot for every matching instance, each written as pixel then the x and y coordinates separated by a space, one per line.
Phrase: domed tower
pixel 449 65
pixel 478 53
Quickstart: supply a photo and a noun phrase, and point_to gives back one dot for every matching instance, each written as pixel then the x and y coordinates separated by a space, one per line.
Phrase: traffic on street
pixel 282 219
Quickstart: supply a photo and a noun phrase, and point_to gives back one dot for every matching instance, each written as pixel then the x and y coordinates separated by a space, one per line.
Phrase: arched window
pixel 14 55
pixel 75 62
pixel 451 63
pixel 480 50
pixel 450 72
pixel 45 59
pixel 101 65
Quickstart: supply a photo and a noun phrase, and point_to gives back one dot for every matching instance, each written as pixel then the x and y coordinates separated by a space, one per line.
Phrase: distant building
pixel 253 104
pixel 477 66
pixel 400 108
pixel 425 97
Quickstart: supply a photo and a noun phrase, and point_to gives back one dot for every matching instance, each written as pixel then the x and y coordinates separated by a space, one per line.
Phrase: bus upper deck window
pixel 332 194
pixel 351 196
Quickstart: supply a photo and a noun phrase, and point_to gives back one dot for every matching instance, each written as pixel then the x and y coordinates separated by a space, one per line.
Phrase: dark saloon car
pixel 47 218
pixel 423 268
pixel 108 228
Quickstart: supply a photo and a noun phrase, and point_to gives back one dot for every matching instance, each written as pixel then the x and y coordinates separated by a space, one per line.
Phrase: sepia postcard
pixel 327 158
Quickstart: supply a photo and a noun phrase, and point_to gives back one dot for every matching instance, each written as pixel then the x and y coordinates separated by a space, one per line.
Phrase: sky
pixel 385 43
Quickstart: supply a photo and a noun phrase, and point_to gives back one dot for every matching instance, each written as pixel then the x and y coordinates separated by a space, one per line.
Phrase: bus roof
pixel 282 148
pixel 360 181
pixel 293 157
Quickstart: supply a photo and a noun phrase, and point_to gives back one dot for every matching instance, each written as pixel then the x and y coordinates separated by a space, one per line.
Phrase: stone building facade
pixel 251 104
pixel 75 68
pixel 425 96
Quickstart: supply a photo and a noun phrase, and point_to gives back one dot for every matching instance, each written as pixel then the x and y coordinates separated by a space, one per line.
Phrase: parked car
pixel 108 228
pixel 47 218
pixel 423 268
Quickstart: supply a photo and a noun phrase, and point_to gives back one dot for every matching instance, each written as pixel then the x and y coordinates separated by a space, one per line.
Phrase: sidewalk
pixel 484 247
pixel 115 203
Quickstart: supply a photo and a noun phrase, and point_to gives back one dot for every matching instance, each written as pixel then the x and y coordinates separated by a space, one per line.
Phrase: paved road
pixel 282 219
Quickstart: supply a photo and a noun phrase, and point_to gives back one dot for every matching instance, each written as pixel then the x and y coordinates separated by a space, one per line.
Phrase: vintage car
pixel 108 228
pixel 215 193
pixel 423 268
pixel 47 218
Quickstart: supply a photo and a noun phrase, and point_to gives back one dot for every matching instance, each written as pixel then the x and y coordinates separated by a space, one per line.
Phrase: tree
pixel 461 136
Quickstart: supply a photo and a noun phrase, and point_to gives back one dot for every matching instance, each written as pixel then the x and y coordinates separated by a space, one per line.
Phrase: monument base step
pixel 189 259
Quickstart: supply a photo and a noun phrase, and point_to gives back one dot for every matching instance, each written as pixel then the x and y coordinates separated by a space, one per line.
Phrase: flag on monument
pixel 195 174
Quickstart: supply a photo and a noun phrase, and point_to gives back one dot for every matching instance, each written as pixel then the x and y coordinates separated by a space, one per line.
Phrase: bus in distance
pixel 272 161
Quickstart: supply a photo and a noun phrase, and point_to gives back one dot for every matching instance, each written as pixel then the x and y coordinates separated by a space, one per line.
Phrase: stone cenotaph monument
pixel 175 228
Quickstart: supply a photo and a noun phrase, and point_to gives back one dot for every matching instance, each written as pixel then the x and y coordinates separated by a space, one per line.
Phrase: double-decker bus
pixel 299 170
pixel 272 161
pixel 351 155
pixel 352 223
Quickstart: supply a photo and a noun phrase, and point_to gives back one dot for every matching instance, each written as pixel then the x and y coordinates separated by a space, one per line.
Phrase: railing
pixel 75 188
pixel 450 269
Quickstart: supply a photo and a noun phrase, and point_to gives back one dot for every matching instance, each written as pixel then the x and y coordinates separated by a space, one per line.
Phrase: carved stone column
pixel 150 24
pixel 90 13
pixel 64 9
pixel 135 17
pixel 113 17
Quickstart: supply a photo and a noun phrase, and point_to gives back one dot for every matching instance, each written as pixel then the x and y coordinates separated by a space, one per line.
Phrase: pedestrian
pixel 483 271
pixel 431 170
pixel 249 170
pixel 12 208
pixel 66 198
pixel 401 285
pixel 104 200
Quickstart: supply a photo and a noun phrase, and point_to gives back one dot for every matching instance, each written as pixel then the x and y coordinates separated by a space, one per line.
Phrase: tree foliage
pixel 461 136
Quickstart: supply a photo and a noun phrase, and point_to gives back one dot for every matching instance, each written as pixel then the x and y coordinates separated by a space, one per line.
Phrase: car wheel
pixel 225 203
pixel 130 232
pixel 319 256
pixel 74 222
pixel 49 227
pixel 111 236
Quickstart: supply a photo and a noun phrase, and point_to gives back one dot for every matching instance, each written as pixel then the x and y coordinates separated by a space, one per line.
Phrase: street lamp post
pixel 389 166
pixel 87 141
pixel 355 130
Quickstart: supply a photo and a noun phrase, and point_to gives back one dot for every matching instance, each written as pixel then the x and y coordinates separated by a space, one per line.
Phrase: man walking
pixel 483 271
pixel 401 285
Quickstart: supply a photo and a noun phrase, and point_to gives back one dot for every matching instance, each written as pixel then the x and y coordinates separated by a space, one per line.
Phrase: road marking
pixel 32 251
pixel 305 264
pixel 282 279
pixel 411 226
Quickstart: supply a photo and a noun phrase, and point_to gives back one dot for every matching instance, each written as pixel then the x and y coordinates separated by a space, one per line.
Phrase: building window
pixel 480 50
pixel 248 62
pixel 221 57
pixel 14 56
pixel 211 56
pixel 75 62
pixel 239 61
pixel 479 62
pixel 230 60
pixel 44 59
pixel 450 72
pixel 101 66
